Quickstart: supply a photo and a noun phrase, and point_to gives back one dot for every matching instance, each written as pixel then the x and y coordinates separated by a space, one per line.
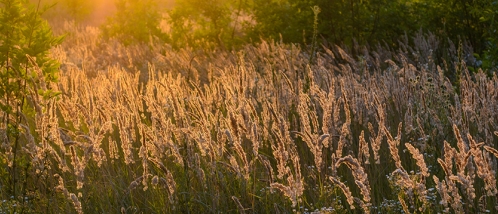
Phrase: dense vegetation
pixel 231 24
pixel 250 107
pixel 227 23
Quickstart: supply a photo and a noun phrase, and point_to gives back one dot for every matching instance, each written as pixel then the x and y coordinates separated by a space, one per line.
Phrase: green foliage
pixel 340 22
pixel 26 71
pixel 354 23
pixel 488 17
pixel 291 19
pixel 136 21
pixel 25 40
pixel 211 23
pixel 373 21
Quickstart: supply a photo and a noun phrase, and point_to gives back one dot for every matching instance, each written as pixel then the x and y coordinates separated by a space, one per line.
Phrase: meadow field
pixel 267 128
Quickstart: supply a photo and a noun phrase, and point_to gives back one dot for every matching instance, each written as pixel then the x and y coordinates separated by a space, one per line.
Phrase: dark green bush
pixel 136 21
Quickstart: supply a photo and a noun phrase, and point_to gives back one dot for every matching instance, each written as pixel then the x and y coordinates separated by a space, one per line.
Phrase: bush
pixel 26 74
pixel 136 21
pixel 209 23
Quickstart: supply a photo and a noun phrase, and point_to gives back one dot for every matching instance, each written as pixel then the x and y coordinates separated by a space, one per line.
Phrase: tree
pixel 135 21
pixel 293 19
pixel 488 17
pixel 26 71
pixel 208 23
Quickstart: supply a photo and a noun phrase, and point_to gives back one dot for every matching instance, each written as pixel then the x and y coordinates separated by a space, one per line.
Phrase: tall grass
pixel 149 129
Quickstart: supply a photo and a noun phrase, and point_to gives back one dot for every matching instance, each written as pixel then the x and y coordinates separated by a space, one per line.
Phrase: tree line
pixel 228 23
pixel 232 23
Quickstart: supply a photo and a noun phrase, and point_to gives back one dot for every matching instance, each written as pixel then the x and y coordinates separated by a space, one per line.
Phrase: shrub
pixel 211 23
pixel 136 21
pixel 26 74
